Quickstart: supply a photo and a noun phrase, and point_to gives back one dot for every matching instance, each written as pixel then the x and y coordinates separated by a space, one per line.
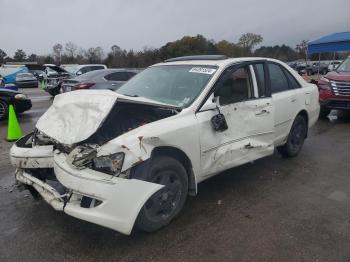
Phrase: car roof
pixel 218 62
pixel 80 66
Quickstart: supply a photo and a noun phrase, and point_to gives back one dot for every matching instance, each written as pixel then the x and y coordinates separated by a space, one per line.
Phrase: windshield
pixel 177 85
pixel 344 66
pixel 70 68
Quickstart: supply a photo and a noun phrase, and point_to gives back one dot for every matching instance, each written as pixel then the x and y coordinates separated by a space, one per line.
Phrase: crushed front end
pixel 79 178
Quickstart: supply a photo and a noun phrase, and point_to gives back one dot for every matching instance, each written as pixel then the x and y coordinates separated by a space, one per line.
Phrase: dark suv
pixel 334 89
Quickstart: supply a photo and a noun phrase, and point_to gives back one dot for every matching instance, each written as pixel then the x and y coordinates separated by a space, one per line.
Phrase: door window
pixel 278 79
pixel 260 78
pixel 117 76
pixel 236 88
pixel 293 83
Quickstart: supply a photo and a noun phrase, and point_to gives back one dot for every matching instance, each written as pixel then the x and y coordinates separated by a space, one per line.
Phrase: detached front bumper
pixel 93 196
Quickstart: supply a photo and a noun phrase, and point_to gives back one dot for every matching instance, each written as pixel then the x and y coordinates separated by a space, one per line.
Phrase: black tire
pixel 324 111
pixel 165 204
pixel 4 109
pixel 295 138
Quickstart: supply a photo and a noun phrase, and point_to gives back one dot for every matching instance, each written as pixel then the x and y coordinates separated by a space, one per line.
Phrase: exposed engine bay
pixel 125 117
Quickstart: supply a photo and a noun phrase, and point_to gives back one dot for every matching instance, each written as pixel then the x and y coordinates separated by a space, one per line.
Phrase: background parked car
pixel 317 67
pixel 99 79
pixel 24 80
pixel 20 102
pixel 333 65
pixel 52 78
pixel 77 70
pixel 334 89
pixel 8 75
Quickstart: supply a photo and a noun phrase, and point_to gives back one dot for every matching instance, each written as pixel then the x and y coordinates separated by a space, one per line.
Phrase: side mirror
pixel 219 122
pixel 79 73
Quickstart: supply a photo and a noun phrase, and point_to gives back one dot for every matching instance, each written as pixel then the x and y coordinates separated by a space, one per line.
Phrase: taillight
pixel 83 86
pixel 323 84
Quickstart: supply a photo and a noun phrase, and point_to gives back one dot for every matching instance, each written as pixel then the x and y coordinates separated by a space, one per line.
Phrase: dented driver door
pixel 249 119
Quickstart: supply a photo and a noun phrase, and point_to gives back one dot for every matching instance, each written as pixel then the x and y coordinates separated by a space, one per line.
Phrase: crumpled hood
pixel 75 116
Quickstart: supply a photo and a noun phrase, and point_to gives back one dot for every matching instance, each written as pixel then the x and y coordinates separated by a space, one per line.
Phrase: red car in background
pixel 334 89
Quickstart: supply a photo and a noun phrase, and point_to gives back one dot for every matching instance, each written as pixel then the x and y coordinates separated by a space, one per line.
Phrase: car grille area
pixel 340 88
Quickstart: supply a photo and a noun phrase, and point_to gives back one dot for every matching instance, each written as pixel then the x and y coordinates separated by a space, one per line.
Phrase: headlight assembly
pixel 111 164
pixel 21 97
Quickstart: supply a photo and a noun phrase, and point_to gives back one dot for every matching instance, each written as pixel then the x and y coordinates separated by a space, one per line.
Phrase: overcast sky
pixel 36 25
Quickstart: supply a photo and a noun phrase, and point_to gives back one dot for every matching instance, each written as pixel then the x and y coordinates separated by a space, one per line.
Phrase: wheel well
pixel 183 159
pixel 304 114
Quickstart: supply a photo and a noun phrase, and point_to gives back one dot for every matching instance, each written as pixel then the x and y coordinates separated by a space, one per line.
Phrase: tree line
pixel 247 45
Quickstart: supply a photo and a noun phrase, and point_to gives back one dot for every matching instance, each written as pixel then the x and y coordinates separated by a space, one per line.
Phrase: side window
pixel 117 76
pixel 237 87
pixel 292 81
pixel 278 80
pixel 260 78
pixel 96 68
pixel 85 69
pixel 131 74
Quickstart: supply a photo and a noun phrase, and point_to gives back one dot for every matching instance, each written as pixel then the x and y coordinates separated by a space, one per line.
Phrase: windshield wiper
pixel 130 95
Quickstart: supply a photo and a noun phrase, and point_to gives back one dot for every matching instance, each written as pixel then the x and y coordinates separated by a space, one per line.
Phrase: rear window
pixel 90 75
pixel 118 76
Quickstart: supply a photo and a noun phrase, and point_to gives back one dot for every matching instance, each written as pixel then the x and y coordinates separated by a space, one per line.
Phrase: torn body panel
pixel 249 136
pixel 24 154
pixel 116 201
pixel 138 144
pixel 121 199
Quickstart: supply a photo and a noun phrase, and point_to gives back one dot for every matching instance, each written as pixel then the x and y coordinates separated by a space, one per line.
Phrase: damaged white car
pixel 130 158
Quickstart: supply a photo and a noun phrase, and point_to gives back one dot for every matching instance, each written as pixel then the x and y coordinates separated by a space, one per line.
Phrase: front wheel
pixel 295 138
pixel 3 109
pixel 166 203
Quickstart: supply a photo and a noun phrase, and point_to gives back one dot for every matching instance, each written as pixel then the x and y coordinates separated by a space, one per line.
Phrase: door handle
pixel 262 112
pixel 114 84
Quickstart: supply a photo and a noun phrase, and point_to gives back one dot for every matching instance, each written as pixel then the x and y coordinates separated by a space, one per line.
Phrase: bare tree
pixel 71 49
pixel 57 52
pixel 249 41
pixel 3 56
pixel 95 55
pixel 301 48
pixel 115 50
pixel 20 55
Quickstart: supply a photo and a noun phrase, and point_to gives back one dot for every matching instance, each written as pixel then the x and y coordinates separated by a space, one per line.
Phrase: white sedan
pixel 131 157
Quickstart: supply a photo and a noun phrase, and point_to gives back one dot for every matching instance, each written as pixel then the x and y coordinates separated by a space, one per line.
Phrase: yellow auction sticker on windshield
pixel 202 70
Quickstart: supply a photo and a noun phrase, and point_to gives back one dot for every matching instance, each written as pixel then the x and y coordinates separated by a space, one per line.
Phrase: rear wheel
pixel 3 109
pixel 165 204
pixel 295 138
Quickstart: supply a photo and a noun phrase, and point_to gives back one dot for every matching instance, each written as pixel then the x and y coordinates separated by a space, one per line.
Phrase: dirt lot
pixel 272 210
